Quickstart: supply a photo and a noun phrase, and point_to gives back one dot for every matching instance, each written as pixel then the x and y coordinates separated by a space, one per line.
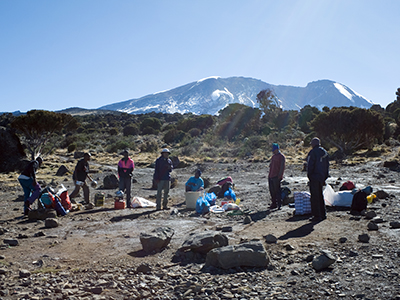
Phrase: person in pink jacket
pixel 125 169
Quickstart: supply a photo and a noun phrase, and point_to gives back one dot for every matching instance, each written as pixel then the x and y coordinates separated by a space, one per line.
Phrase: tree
pixel 306 115
pixel 267 100
pixel 38 126
pixel 349 129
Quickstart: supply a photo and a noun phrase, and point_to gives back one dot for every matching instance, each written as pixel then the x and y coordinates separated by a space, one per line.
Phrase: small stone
pixel 377 220
pixel 50 223
pixel 3 271
pixel 343 240
pixel 372 226
pixel 247 220
pixel 270 239
pixel 395 224
pixel 363 238
pixel 10 242
pixel 370 215
pixel 289 247
pixel 24 273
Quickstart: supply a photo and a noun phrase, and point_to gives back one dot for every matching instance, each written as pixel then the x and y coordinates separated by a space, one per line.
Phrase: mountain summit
pixel 209 95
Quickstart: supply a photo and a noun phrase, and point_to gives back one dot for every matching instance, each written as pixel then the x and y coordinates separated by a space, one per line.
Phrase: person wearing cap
pixel 125 169
pixel 317 173
pixel 195 183
pixel 162 178
pixel 79 176
pixel 275 176
pixel 29 184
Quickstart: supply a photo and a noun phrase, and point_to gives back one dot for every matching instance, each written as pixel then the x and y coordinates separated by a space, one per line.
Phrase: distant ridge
pixel 209 95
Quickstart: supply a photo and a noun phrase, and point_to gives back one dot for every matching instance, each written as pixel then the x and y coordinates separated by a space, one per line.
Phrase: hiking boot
pixel 315 219
pixel 27 207
pixel 165 208
pixel 272 206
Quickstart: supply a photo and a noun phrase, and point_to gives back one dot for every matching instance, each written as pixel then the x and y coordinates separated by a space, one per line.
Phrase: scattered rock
pixel 10 242
pixel 247 220
pixel 342 240
pixel 363 238
pixel 62 170
pixel 251 254
pixel 370 214
pixel 323 261
pixel 372 226
pixel 394 224
pixel 157 239
pixel 270 239
pixel 143 268
pixel 3 271
pixel 289 247
pixel 51 223
pixel 377 220
pixel 24 273
pixel 111 182
pixel 381 194
pixel 205 241
pixel 41 214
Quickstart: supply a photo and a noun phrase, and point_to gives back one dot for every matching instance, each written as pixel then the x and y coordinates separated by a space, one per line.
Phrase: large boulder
pixel 250 254
pixel 204 242
pixel 111 182
pixel 157 239
pixel 11 152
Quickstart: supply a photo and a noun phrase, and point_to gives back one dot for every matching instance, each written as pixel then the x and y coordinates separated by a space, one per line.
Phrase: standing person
pixel 162 177
pixel 276 169
pixel 125 169
pixel 195 183
pixel 317 173
pixel 80 174
pixel 28 181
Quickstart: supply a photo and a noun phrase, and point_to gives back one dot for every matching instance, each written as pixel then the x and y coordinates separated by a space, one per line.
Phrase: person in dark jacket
pixel 162 177
pixel 275 175
pixel 125 169
pixel 317 173
pixel 28 181
pixel 80 174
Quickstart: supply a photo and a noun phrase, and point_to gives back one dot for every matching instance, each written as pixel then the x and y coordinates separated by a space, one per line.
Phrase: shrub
pixel 194 132
pixel 149 146
pixel 153 123
pixel 130 129
pixel 71 147
pixel 113 131
pixel 174 136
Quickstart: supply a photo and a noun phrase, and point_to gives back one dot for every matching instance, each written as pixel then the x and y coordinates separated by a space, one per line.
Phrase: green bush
pixel 174 136
pixel 130 129
pixel 149 146
pixel 71 147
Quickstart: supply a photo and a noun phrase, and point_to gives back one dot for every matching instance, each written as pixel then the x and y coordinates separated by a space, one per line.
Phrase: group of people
pixel 317 173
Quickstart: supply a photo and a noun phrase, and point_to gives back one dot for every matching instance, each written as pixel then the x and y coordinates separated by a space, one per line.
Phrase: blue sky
pixel 90 53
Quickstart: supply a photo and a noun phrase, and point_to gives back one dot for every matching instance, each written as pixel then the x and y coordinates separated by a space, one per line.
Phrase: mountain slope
pixel 209 95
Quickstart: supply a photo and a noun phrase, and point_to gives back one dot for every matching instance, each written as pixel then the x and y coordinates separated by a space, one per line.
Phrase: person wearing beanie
pixel 275 176
pixel 317 173
pixel 195 183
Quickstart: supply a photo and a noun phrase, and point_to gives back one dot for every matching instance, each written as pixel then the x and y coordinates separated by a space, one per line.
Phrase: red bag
pixel 65 201
pixel 348 185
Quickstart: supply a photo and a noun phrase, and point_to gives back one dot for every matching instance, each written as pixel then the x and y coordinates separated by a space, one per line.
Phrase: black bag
pixel 359 202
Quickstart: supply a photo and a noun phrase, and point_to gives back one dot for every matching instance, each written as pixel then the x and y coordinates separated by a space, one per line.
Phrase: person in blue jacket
pixel 162 178
pixel 195 183
pixel 317 173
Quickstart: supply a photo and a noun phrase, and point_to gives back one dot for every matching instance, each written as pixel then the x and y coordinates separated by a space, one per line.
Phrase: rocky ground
pixel 96 253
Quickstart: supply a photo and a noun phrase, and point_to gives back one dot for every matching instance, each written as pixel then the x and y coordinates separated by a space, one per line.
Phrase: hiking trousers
pixel 317 200
pixel 28 187
pixel 125 184
pixel 85 189
pixel 163 185
pixel 274 184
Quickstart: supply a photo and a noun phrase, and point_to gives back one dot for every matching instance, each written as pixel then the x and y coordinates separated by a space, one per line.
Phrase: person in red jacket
pixel 125 169
pixel 276 169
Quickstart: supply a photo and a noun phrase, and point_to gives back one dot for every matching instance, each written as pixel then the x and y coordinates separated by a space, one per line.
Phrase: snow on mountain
pixel 211 94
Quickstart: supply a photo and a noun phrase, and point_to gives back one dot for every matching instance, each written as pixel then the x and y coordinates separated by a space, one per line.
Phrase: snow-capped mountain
pixel 209 95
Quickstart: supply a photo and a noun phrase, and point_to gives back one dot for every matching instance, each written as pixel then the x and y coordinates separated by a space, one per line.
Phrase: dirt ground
pixel 102 237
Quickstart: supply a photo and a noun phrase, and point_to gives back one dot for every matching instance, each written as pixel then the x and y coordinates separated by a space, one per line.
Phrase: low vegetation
pixel 237 132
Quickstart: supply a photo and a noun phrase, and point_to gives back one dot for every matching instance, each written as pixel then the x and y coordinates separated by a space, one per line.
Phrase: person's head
pixel 197 173
pixel 165 152
pixel 39 160
pixel 315 142
pixel 275 148
pixel 87 156
pixel 125 153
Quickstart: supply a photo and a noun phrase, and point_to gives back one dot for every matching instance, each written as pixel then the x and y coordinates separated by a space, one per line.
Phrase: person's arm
pixel 281 168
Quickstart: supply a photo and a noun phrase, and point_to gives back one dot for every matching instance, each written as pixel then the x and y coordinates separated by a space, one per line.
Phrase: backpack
pixel 359 202
pixel 65 201
pixel 347 186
